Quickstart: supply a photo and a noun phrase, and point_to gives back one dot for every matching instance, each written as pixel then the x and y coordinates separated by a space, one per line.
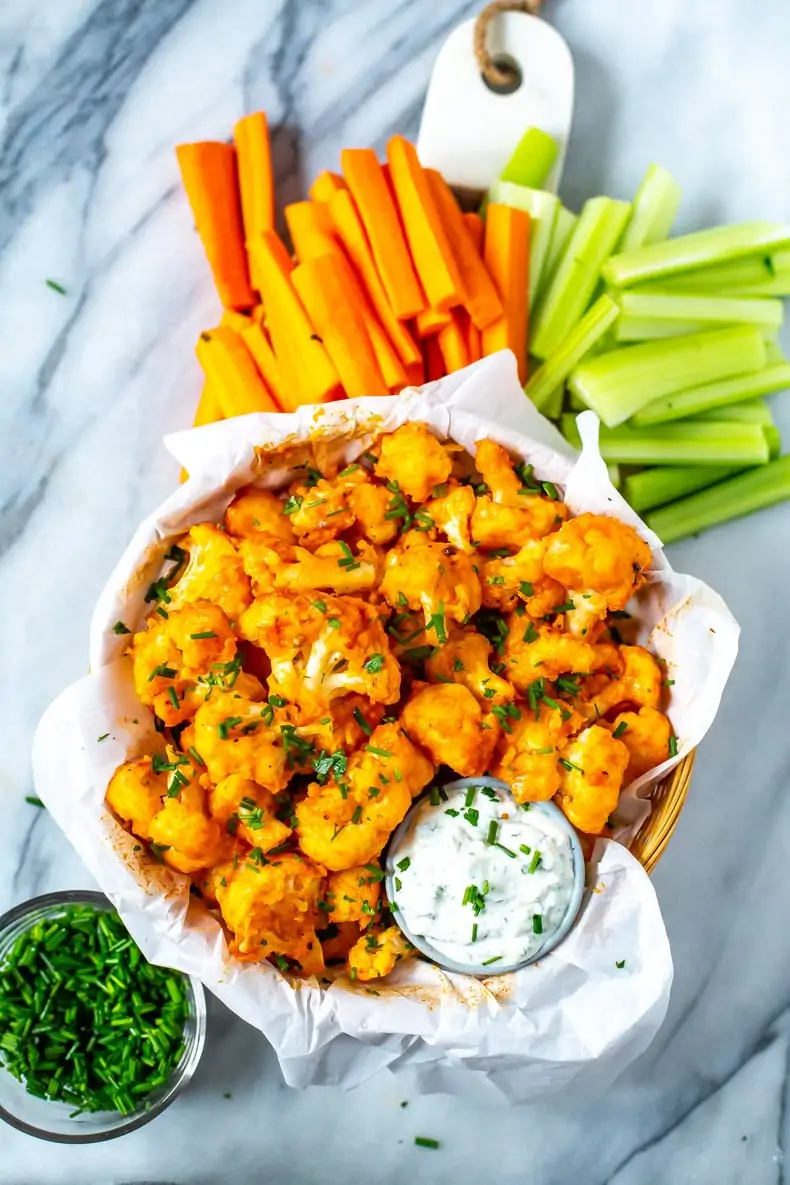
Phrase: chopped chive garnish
pixel 534 863
pixel 377 752
pixel 470 795
pixel 537 923
pixel 620 964
pixel 452 812
pixel 488 962
pixel 565 607
pixel 472 816
pixel 357 815
pixel 56 287
pixel 569 765
pixel 493 830
pixel 621 728
pixel 333 622
pixel 193 753
pixel 320 606
pixel 474 932
pixel 525 848
pixel 530 633
pixel 173 695
pixel 203 634
pixel 33 800
pixel 507 851
pixel 103 737
pixel 292 504
pixel 374 664
pixel 120 628
pixel 434 796
pixel 403 864
pixel 673 746
pixel 425 1142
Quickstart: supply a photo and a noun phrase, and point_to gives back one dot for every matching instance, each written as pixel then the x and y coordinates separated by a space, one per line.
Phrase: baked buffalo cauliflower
pixel 414 461
pixel 646 735
pixel 528 757
pixel 319 512
pixel 510 513
pixel 258 514
pixel 248 810
pixel 465 659
pixel 593 766
pixel 333 566
pixel 135 794
pixel 439 580
pixel 451 514
pixel 638 684
pixel 508 580
pixel 451 726
pixel 236 734
pixel 214 572
pixel 377 953
pixel 352 895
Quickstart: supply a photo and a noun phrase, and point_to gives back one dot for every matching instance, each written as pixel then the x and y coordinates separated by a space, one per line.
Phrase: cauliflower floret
pixel 235 734
pixel 451 513
pixel 495 526
pixel 438 579
pixel 543 652
pixel 331 566
pixel 246 809
pixel 509 579
pixel 319 513
pixel 135 794
pixel 494 465
pixel 528 757
pixel 414 459
pixel 351 720
pixel 464 658
pixel 214 572
pixel 601 562
pixel 370 505
pixel 593 766
pixel 173 653
pixel 272 909
pixel 323 648
pixel 646 735
pixel 188 839
pixel 264 560
pixel 348 821
pixel 638 685
pixel 446 720
pixel 353 894
pixel 258 514
pixel 377 953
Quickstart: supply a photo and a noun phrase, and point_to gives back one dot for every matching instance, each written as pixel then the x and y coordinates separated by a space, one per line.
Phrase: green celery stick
pixel 532 160
pixel 621 383
pixel 753 411
pixel 774 438
pixel 542 209
pixel 597 233
pixel 714 395
pixel 564 226
pixel 754 275
pixel 575 403
pixel 655 206
pixel 552 406
pixel 615 476
pixel 695 250
pixel 774 354
pixel 554 371
pixel 633 329
pixel 686 443
pixel 666 312
pixel 739 495
pixel 655 487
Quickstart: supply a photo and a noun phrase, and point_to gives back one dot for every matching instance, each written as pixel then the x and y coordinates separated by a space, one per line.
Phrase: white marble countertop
pixel 94 94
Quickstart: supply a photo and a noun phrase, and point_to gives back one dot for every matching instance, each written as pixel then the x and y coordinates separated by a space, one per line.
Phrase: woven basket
pixel 667 800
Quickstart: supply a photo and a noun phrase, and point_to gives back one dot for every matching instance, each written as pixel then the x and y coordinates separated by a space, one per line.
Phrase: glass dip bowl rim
pixel 553 937
pixel 105 1125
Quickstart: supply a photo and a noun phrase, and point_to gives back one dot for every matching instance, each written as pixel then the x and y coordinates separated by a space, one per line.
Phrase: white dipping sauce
pixel 480 899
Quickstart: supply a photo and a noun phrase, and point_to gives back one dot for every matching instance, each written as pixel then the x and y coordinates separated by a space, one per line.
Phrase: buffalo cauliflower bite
pixel 542 652
pixel 214 572
pixel 349 820
pixel 510 513
pixel 318 513
pixel 464 658
pixel 135 794
pixel 258 514
pixel 377 953
pixel 244 808
pixel 506 580
pixel 419 574
pixel 593 766
pixel 235 734
pixel 638 684
pixel 414 459
pixel 370 506
pixel 601 562
pixel 352 895
pixel 271 907
pixel 187 837
pixel 646 735
pixel 528 756
pixel 451 514
pixel 172 654
pixel 332 566
pixel 323 648
pixel 446 720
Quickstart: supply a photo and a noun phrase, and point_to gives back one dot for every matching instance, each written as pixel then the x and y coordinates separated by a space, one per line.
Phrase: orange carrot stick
pixel 474 224
pixel 208 411
pixel 506 255
pixel 324 290
pixel 369 188
pixel 452 343
pixel 482 299
pixel 325 185
pixel 233 320
pixel 431 320
pixel 232 374
pixel 351 232
pixel 434 359
pixel 257 342
pixel 472 336
pixel 310 228
pixel 308 374
pixel 256 176
pixel 208 171
pixel 428 242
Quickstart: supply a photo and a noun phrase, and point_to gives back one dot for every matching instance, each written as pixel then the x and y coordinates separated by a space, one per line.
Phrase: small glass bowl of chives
pixel 94 1040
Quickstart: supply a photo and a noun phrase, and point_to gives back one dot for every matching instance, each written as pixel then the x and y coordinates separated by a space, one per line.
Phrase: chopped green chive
pixel 474 932
pixel 377 752
pixel 537 923
pixel 173 696
pixel 320 606
pixel 357 815
pixel 292 504
pixel 403 864
pixel 569 765
pixel 493 831
pixel 33 800
pixel 374 664
pixel 56 287
pixel 425 1142
pixel 621 728
pixel 470 795
pixel 534 863
pixel 525 848
pixel 203 634
pixel 472 816
pixel 333 622
pixel 620 964
pixel 488 962
pixel 507 851
pixel 120 628
pixel 673 746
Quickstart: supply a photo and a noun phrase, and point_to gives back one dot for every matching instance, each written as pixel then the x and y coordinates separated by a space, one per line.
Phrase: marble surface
pixel 93 94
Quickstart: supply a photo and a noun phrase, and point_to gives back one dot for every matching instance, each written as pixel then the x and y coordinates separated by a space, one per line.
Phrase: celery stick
pixel 552 405
pixel 618 384
pixel 655 206
pixel 596 234
pixel 542 209
pixel 577 345
pixel 756 275
pixel 575 403
pixel 695 250
pixel 753 411
pixel 655 487
pixel 531 160
pixel 667 312
pixel 739 495
pixel 714 395
pixel 774 354
pixel 564 226
pixel 687 443
pixel 635 329
pixel 774 438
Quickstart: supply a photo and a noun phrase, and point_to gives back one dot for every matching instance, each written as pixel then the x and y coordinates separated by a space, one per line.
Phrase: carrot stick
pixel 474 224
pixel 427 237
pixel 482 299
pixel 233 320
pixel 325 185
pixel 506 254
pixel 392 369
pixel 310 228
pixel 256 176
pixel 322 284
pixel 377 209
pixel 434 359
pixel 208 411
pixel 232 374
pixel 452 343
pixel 256 339
pixel 208 171
pixel 308 374
pixel 472 336
pixel 431 320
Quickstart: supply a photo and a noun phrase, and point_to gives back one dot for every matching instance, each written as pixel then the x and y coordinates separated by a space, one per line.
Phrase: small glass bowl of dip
pixel 49 1119
pixel 457 809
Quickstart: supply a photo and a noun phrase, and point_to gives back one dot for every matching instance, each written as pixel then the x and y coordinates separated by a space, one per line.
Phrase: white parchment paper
pixel 571 1022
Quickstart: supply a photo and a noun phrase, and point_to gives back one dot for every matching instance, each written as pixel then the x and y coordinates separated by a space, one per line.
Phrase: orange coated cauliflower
pixel 244 808
pixel 646 735
pixel 515 509
pixel 377 953
pixel 214 572
pixel 318 512
pixel 235 734
pixel 419 574
pixel 447 722
pixel 412 457
pixel 370 506
pixel 506 580
pixel 528 757
pixel 464 658
pixel 187 837
pixel 258 514
pixel 543 652
pixel 451 514
pixel 135 794
pixel 638 685
pixel 352 895
pixel 593 767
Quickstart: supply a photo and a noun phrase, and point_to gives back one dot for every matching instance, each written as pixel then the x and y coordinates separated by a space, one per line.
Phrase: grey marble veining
pixel 92 97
